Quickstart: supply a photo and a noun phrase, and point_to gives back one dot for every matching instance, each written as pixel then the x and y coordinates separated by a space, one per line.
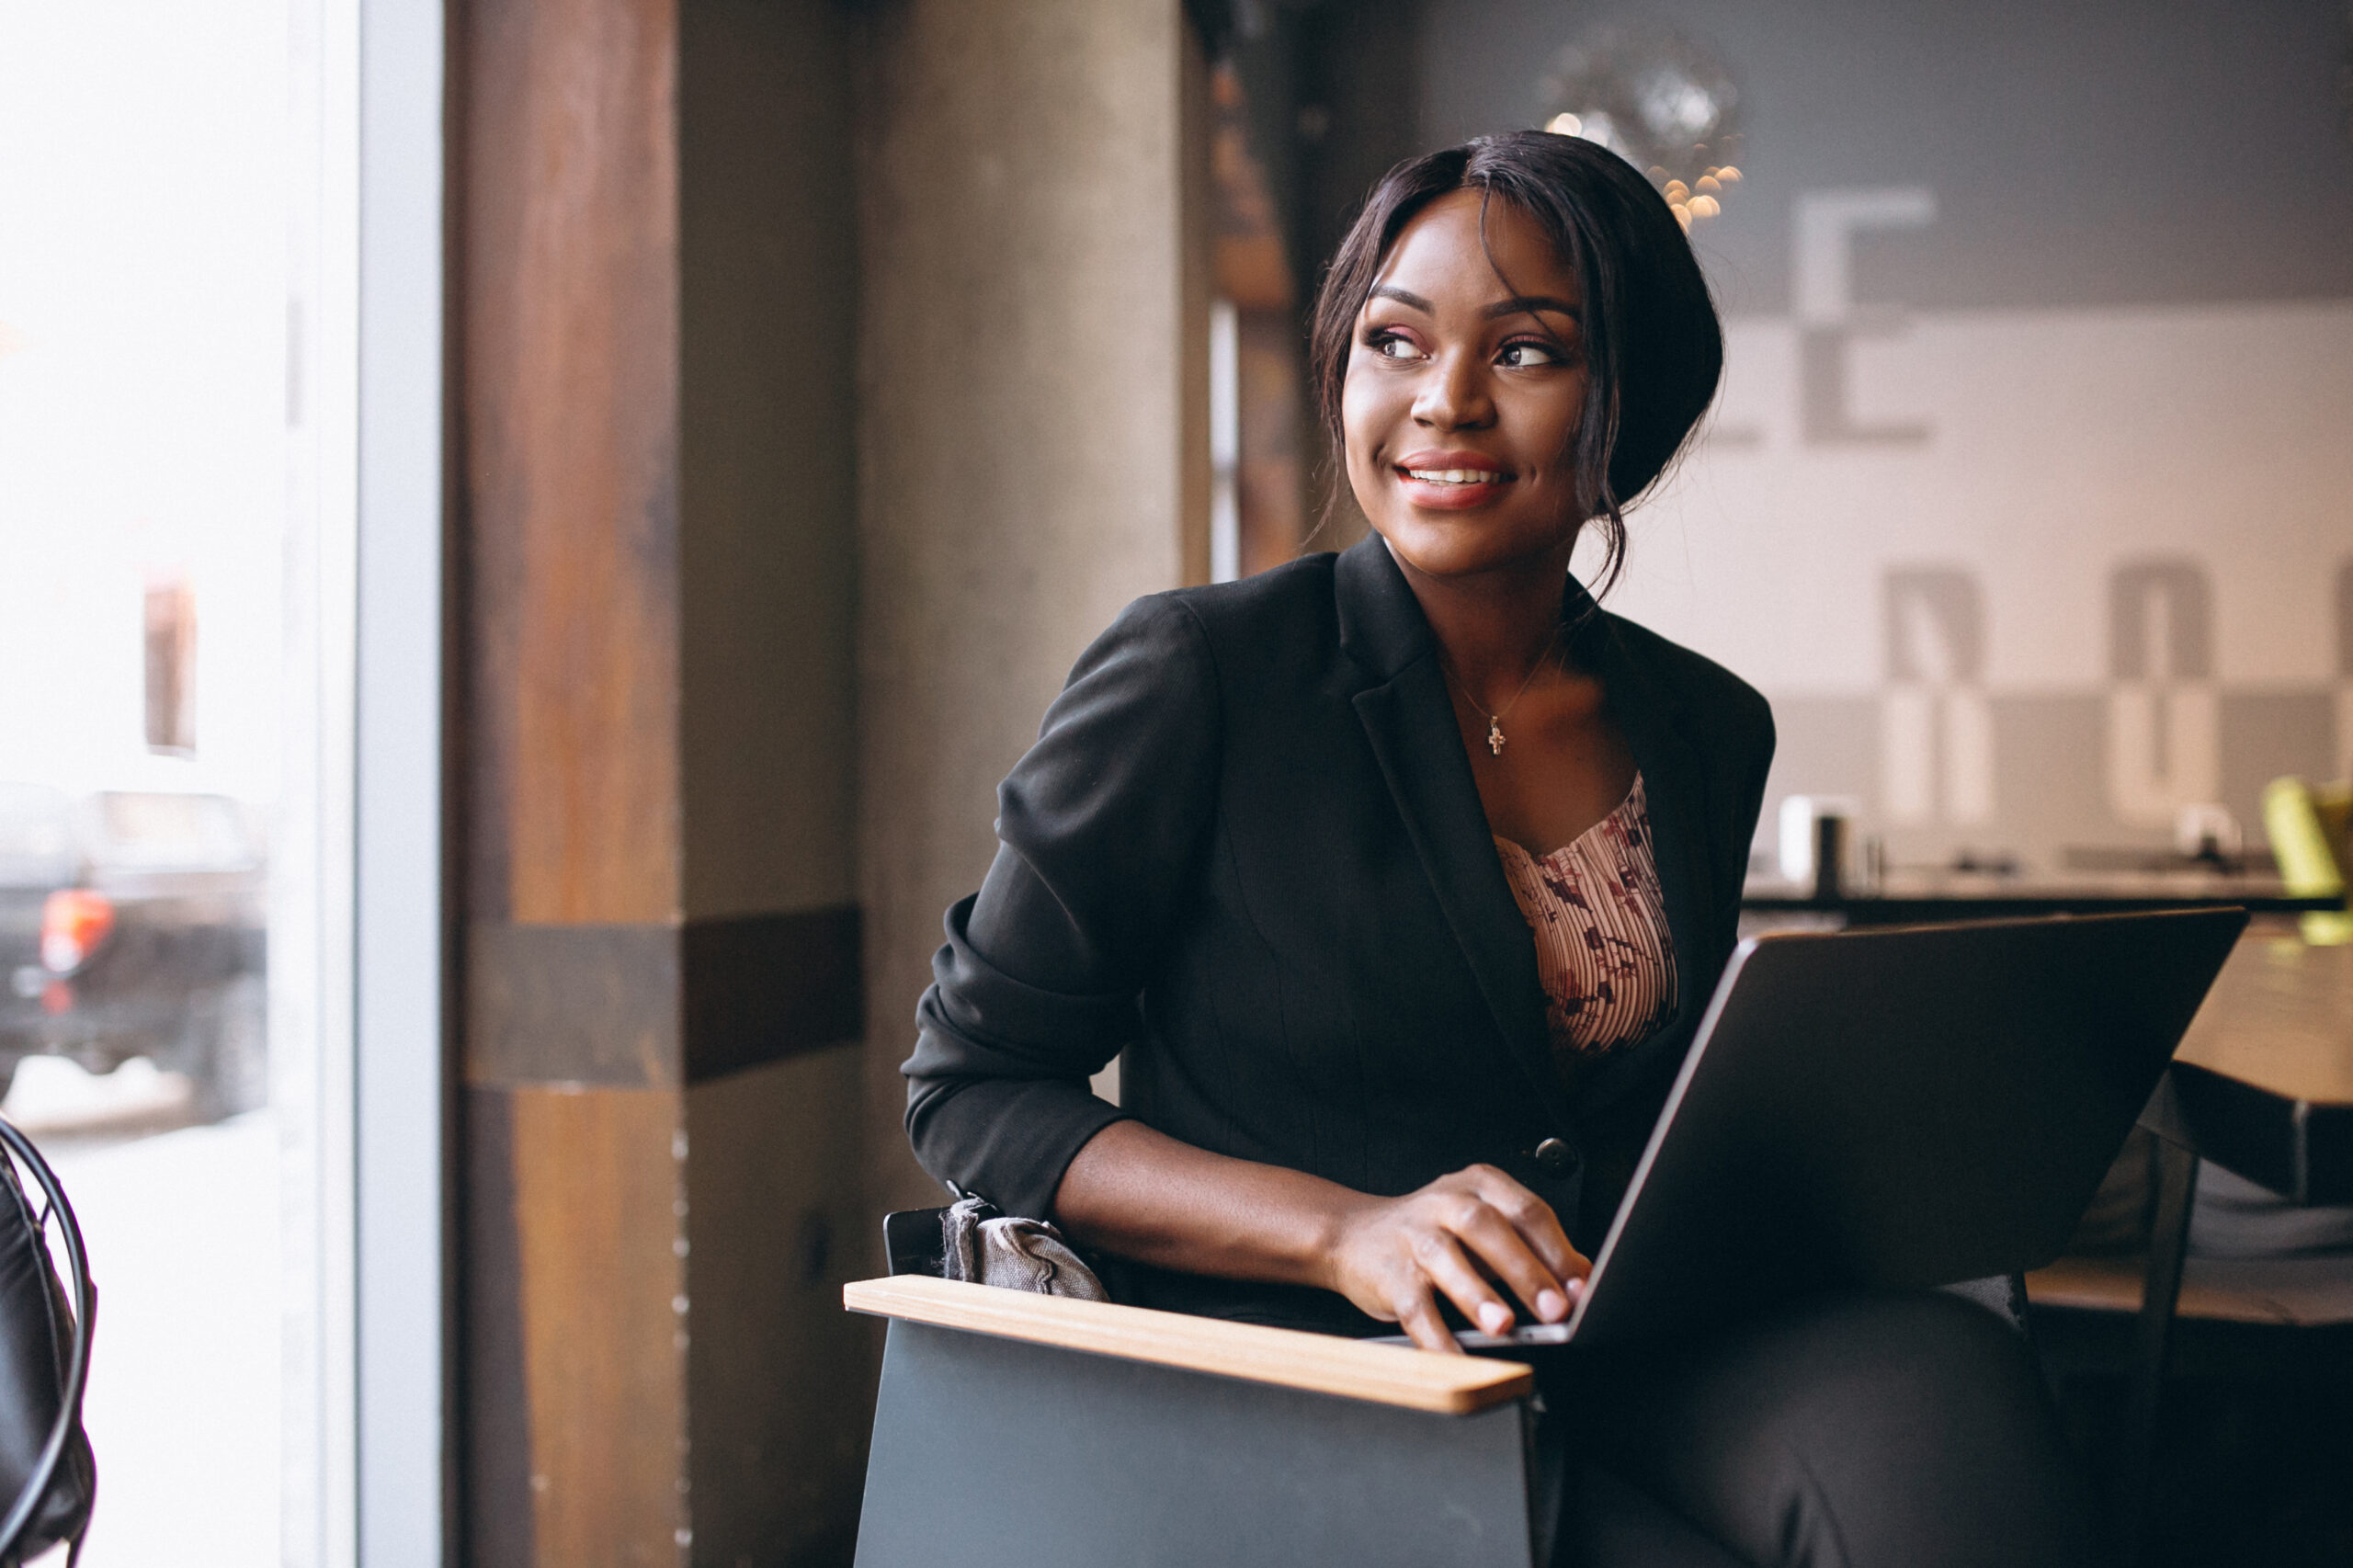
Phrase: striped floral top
pixel 1602 949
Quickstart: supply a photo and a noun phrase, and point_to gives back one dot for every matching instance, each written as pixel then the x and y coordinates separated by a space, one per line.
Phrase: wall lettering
pixel 1829 321
pixel 1936 728
pixel 2164 709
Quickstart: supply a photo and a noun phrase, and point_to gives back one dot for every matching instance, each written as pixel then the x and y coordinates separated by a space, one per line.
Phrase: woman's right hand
pixel 1139 1193
pixel 1460 1236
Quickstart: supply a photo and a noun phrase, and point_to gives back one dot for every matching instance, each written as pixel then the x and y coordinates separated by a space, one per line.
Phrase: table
pixel 2263 1087
pixel 1932 900
pixel 2263 1083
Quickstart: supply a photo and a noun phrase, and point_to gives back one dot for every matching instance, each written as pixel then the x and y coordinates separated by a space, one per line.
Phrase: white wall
pixel 2056 450
pixel 2029 501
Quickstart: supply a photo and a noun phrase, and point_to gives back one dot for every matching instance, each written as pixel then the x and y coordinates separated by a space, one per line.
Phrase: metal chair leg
pixel 2177 1190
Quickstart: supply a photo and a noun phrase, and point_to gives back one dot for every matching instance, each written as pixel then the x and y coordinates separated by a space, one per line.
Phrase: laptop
pixel 1892 1109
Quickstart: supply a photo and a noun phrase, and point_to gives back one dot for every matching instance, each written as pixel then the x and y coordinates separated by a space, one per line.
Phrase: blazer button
pixel 1554 1155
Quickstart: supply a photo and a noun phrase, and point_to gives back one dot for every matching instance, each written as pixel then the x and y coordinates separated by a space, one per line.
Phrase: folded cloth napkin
pixel 1013 1254
pixel 2237 1218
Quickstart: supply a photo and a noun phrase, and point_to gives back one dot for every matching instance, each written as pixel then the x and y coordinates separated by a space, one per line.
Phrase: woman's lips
pixel 1450 480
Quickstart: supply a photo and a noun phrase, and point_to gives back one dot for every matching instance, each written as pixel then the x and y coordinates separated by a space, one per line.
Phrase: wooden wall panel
pixel 659 331
pixel 572 1005
pixel 497 1440
pixel 599 1202
pixel 657 1005
pixel 570 371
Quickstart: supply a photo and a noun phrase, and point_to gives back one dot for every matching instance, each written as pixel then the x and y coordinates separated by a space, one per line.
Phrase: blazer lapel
pixel 1409 719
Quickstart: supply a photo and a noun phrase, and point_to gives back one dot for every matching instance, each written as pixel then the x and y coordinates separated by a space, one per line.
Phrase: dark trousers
pixel 1857 1431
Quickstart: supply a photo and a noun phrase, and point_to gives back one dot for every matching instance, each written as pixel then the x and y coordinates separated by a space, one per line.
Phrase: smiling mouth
pixel 1454 475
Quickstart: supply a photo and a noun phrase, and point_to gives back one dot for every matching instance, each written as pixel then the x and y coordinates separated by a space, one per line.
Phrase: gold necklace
pixel 1496 720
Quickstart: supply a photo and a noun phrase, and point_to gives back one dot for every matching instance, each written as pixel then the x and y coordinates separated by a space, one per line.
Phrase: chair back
pixel 47 1471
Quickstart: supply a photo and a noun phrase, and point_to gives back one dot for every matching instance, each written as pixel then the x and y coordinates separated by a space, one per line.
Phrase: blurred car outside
pixel 131 924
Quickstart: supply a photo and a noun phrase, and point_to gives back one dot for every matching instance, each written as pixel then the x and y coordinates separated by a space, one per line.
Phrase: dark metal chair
pixel 2136 1312
pixel 45 1328
pixel 1013 1429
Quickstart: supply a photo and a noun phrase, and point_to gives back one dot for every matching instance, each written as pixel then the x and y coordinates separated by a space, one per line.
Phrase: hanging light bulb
pixel 1658 100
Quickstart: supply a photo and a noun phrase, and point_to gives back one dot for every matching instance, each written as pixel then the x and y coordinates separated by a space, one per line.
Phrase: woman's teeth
pixel 1452 475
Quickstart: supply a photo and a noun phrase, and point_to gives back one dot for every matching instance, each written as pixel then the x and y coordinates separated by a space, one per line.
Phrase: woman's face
pixel 1462 394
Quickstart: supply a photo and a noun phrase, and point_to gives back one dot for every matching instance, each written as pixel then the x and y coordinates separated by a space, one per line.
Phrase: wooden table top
pixel 2280 1019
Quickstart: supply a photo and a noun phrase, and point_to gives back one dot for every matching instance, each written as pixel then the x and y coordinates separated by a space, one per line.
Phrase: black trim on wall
pixel 659 1006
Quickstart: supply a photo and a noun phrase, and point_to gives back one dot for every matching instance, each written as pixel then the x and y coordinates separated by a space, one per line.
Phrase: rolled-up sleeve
pixel 1100 831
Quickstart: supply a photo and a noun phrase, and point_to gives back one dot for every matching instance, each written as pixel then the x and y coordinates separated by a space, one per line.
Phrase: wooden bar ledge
pixel 1382 1374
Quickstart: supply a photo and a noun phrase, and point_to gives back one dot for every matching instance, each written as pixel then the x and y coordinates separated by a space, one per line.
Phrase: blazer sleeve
pixel 1100 829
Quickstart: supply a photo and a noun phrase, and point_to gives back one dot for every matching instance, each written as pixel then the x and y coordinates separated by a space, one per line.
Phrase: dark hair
pixel 1654 349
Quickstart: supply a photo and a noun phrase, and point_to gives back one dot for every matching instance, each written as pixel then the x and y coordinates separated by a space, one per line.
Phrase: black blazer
pixel 1247 852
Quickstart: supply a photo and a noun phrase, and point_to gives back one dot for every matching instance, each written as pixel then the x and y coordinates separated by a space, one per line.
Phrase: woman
pixel 1401 878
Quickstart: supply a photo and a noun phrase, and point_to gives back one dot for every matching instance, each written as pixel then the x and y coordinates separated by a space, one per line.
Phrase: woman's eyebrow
pixel 1531 302
pixel 1403 297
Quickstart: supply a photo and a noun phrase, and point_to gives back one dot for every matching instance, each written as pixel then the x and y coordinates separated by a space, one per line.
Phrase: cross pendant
pixel 1496 736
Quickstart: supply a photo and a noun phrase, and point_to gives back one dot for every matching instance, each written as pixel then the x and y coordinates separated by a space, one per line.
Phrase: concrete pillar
pixel 661 1120
pixel 1032 427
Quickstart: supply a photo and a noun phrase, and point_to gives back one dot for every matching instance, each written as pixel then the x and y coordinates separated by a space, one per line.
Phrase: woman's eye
pixel 1529 356
pixel 1391 345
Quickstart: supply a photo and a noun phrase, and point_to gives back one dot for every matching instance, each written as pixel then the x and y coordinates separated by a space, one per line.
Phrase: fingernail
pixel 1576 1287
pixel 1495 1317
pixel 1550 1305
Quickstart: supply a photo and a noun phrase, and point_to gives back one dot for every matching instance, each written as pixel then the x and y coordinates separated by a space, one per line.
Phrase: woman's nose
pixel 1453 395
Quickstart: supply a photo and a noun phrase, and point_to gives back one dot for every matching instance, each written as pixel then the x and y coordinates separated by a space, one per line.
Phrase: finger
pixel 1534 1220
pixel 1498 1246
pixel 1442 1260
pixel 1418 1312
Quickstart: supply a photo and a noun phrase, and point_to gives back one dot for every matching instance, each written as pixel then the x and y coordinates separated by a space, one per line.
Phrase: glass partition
pixel 176 419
